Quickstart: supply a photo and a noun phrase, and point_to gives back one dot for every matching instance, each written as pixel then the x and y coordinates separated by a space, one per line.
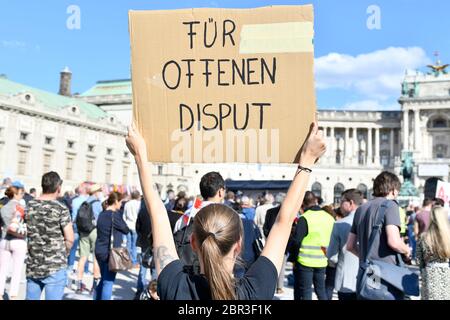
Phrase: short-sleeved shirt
pixel 258 283
pixel 365 217
pixel 423 219
pixel 46 220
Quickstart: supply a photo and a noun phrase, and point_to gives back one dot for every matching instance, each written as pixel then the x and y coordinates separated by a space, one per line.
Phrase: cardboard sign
pixel 223 85
pixel 443 192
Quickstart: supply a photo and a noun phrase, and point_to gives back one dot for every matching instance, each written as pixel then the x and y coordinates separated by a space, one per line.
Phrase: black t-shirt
pixel 258 283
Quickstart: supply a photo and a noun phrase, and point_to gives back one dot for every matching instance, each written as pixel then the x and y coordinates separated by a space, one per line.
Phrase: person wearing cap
pixel 87 241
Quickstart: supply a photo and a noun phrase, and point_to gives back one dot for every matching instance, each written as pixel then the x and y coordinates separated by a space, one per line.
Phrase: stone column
pixel 332 156
pixel 377 147
pixel 347 146
pixel 391 148
pixel 369 147
pixel 355 150
pixel 417 137
pixel 405 130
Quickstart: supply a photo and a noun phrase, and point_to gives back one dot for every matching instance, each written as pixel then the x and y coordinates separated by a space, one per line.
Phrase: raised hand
pixel 314 146
pixel 136 143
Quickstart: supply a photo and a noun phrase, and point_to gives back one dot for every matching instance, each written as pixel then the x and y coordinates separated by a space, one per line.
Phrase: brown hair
pixel 11 192
pixel 384 183
pixel 354 195
pixel 217 228
pixel 113 197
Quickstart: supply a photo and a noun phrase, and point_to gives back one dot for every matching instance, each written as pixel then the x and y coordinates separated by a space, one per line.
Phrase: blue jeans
pixel 131 245
pixel 304 278
pixel 105 286
pixel 412 240
pixel 53 285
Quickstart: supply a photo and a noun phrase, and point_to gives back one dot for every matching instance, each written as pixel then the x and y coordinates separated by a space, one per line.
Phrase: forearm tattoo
pixel 163 258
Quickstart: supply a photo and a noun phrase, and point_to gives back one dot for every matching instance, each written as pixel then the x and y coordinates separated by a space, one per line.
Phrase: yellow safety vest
pixel 320 225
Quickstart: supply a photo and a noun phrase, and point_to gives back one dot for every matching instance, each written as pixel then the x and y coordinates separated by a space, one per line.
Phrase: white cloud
pixel 376 75
pixel 13 44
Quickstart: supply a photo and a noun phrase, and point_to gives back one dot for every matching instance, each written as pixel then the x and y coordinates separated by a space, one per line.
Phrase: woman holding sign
pixel 217 237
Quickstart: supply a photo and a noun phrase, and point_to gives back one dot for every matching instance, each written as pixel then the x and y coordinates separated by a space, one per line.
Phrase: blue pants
pixel 412 240
pixel 131 245
pixel 105 286
pixel 304 278
pixel 53 285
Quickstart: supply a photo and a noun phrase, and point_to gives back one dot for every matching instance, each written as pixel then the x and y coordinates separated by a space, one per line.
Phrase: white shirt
pixel 260 215
pixel 131 212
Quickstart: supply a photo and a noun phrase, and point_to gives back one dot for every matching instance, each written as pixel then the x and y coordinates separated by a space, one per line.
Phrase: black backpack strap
pixel 377 227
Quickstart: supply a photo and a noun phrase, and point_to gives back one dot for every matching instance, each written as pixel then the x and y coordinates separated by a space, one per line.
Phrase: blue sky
pixel 355 67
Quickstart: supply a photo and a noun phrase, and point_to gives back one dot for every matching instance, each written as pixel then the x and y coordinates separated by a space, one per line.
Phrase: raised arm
pixel 312 149
pixel 163 244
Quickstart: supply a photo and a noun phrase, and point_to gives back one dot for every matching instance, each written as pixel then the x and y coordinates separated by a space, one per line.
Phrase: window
pixel 22 162
pixel 108 169
pixel 317 189
pixel 70 144
pixel 384 137
pixel 24 136
pixel 440 123
pixel 361 157
pixel 440 151
pixel 69 168
pixel 182 171
pixel 160 170
pixel 48 141
pixel 91 148
pixel 89 170
pixel 47 162
pixel 126 154
pixel 338 156
pixel 109 151
pixel 363 188
pixel 385 158
pixel 125 175
pixel 338 190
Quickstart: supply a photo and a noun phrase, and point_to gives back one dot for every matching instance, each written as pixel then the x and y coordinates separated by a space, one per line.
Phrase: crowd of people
pixel 221 244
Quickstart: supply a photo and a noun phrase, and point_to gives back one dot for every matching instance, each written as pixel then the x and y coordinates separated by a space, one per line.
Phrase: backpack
pixel 184 249
pixel 85 220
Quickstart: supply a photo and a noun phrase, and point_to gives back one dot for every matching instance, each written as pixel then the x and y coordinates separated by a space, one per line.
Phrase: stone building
pixel 42 131
pixel 361 143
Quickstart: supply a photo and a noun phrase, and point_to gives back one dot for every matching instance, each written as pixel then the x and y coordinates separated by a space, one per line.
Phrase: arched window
pixel 363 188
pixel 439 123
pixel 317 189
pixel 338 190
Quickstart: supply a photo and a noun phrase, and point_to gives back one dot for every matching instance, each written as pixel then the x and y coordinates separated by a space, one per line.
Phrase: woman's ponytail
pixel 220 281
pixel 217 228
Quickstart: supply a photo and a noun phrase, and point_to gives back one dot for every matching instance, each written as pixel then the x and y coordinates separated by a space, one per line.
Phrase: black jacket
pixel 143 229
pixel 271 216
pixel 104 228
